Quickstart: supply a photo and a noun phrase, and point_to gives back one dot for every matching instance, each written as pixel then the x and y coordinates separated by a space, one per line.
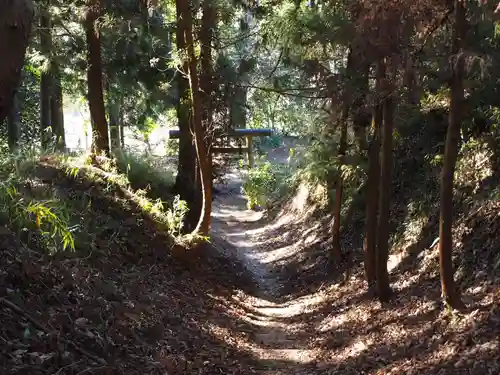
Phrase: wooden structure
pixel 248 134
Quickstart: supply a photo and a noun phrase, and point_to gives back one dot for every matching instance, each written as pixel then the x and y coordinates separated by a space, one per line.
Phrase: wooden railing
pixel 248 134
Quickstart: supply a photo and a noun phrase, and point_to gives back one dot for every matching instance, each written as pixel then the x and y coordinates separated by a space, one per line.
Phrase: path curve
pixel 236 232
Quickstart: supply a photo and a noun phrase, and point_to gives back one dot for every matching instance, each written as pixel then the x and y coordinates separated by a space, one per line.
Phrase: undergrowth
pixel 29 207
pixel 37 210
pixel 149 184
pixel 145 172
pixel 267 183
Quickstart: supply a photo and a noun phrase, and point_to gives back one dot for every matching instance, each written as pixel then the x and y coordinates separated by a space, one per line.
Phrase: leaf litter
pixel 263 299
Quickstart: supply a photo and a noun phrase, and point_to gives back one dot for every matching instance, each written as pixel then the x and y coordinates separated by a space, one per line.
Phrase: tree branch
pixel 286 91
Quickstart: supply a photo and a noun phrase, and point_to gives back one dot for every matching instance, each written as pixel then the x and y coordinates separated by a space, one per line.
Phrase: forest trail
pixel 237 232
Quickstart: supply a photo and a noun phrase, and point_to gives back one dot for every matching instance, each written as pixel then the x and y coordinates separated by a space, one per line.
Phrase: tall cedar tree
pixel 203 225
pixel 373 184
pixel 383 287
pixel 16 17
pixel 186 183
pixel 113 103
pixel 207 76
pixel 450 292
pixel 14 124
pixel 56 108
pixel 100 138
pixel 45 78
pixel 344 117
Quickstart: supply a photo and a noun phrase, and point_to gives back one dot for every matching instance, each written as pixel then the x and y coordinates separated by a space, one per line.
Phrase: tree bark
pixel 15 26
pixel 383 287
pixel 361 115
pixel 410 80
pixel 186 184
pixel 337 210
pixel 100 137
pixel 114 125
pixel 373 185
pixel 206 37
pixel 113 106
pixel 56 110
pixel 45 78
pixel 121 122
pixel 14 124
pixel 203 225
pixel 450 292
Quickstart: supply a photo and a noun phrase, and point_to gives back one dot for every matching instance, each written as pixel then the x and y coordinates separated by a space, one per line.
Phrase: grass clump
pixel 143 181
pixel 146 173
pixel 29 206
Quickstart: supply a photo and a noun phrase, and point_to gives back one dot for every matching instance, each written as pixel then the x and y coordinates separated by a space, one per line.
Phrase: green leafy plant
pixel 176 215
pixel 145 172
pixel 49 218
pixel 265 183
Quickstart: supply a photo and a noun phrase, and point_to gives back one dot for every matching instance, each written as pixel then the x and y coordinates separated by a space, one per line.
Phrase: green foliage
pixel 267 182
pixel 36 210
pixel 145 172
pixel 474 165
pixel 176 215
pixel 259 185
pixel 171 147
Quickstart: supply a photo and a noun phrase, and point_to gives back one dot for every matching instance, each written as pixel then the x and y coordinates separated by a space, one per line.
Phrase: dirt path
pixel 237 232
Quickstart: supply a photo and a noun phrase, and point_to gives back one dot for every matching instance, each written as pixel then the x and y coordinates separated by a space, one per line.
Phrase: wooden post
pixel 250 150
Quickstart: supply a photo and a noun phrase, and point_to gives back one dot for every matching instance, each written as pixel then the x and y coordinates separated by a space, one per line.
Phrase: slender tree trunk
pixel 100 138
pixel 450 292
pixel 45 77
pixel 15 26
pixel 207 76
pixel 114 125
pixel 383 287
pixel 121 122
pixel 337 210
pixel 14 124
pixel 187 183
pixel 203 225
pixel 113 106
pixel 410 80
pixel 56 110
pixel 361 115
pixel 373 185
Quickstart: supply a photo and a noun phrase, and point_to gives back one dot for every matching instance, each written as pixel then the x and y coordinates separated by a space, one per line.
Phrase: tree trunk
pixel 121 122
pixel 56 110
pixel 373 185
pixel 100 138
pixel 337 210
pixel 207 76
pixel 186 184
pixel 450 293
pixel 113 106
pixel 361 115
pixel 114 125
pixel 383 287
pixel 45 77
pixel 15 26
pixel 410 81
pixel 203 225
pixel 14 124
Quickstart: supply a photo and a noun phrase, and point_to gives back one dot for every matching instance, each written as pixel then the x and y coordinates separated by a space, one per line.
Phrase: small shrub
pixel 145 173
pixel 171 147
pixel 266 183
pixel 176 215
pixel 49 217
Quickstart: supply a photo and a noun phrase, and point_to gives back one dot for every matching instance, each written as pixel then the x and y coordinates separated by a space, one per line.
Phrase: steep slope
pixel 351 332
pixel 122 303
